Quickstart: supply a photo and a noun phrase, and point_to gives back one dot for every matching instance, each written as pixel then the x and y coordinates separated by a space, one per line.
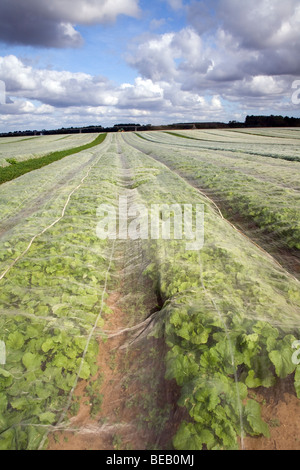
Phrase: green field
pixel 16 168
pixel 167 348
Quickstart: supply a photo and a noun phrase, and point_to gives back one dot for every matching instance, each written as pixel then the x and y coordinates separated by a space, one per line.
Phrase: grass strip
pixel 21 140
pixel 282 157
pixel 141 137
pixel 187 136
pixel 17 169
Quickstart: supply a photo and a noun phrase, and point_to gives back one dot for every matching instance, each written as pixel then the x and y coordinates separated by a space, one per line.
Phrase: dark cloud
pixel 257 37
pixel 260 24
pixel 38 32
pixel 281 61
pixel 52 23
pixel 202 15
pixel 26 23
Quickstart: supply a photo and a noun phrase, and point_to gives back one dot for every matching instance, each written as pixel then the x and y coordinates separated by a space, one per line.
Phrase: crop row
pixel 16 149
pixel 52 299
pixel 16 169
pixel 267 195
pixel 230 318
pixel 249 143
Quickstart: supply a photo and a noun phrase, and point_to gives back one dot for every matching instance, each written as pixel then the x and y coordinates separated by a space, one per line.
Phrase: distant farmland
pixel 136 342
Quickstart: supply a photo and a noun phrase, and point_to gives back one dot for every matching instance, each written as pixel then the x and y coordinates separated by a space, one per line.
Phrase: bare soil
pixel 139 407
pixel 281 411
pixel 138 410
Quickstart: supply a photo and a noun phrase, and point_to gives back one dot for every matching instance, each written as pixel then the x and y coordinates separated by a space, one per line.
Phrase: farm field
pixel 37 146
pixel 138 342
pixel 20 149
pixel 249 179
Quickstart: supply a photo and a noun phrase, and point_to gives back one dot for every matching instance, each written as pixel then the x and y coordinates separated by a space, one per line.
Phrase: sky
pixel 102 62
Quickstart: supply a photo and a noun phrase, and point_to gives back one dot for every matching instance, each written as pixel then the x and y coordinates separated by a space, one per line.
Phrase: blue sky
pixel 84 62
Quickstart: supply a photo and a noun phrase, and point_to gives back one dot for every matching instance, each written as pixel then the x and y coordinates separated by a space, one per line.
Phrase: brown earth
pixel 138 408
pixel 281 411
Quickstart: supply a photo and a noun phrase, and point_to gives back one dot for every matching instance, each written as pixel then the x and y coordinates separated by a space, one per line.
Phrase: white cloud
pixel 155 23
pixel 264 85
pixel 154 57
pixel 245 53
pixel 166 56
pixel 89 11
pixel 23 106
pixel 260 37
pixel 69 98
pixel 216 102
pixel 143 94
pixel 186 75
pixel 175 4
pixel 55 88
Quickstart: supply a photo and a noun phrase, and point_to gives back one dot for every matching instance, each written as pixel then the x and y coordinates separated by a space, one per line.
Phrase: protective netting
pixel 34 147
pixel 254 190
pixel 53 278
pixel 230 319
pixel 138 342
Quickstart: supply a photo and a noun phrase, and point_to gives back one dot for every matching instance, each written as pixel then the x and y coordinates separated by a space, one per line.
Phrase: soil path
pixel 281 411
pixel 128 405
pixel 137 407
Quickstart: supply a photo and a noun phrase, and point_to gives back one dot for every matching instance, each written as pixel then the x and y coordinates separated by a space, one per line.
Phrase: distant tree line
pixel 272 121
pixel 250 121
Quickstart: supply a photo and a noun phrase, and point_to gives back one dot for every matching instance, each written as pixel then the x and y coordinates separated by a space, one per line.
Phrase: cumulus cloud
pixel 263 23
pixel 42 93
pixel 144 94
pixel 23 106
pixel 164 56
pixel 242 51
pixel 199 15
pixel 175 4
pixel 53 23
pixel 230 52
pixel 54 88
pixel 153 56
pixel 257 37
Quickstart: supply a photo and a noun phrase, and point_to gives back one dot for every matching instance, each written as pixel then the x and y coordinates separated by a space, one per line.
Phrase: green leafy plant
pixel 17 169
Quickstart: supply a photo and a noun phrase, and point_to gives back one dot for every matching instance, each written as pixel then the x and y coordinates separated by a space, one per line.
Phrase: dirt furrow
pixel 128 404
